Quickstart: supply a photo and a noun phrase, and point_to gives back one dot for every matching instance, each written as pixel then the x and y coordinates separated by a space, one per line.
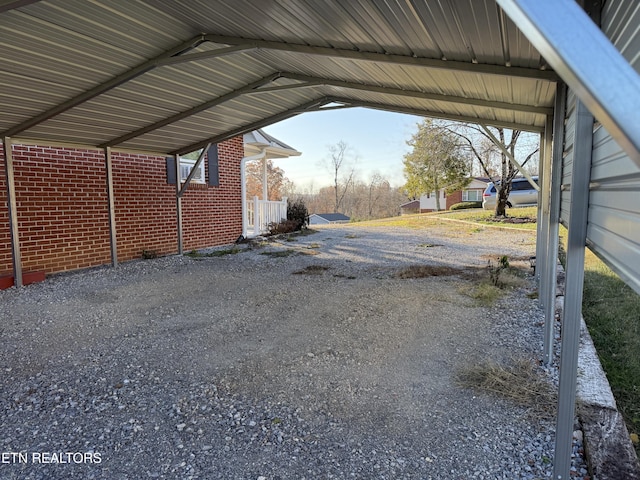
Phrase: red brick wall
pixel 63 209
pixel 453 198
pixel 145 206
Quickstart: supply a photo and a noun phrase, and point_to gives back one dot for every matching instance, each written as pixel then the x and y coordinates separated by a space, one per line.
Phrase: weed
pixel 422 271
pixel 215 253
pixel 279 253
pixel 519 381
pixel 149 254
pixel 484 293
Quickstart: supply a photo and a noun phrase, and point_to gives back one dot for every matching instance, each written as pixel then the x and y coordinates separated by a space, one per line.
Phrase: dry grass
pixel 484 293
pixel 519 381
pixel 422 271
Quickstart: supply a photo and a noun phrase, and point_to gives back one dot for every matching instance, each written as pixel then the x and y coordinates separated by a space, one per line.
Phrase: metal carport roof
pixel 169 76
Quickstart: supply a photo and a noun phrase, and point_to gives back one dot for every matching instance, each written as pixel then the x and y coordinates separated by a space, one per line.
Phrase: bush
pixel 284 226
pixel 464 205
pixel 297 212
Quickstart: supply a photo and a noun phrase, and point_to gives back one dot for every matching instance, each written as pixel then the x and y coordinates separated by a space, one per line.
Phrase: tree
pixel 437 162
pixel 339 160
pixel 482 146
pixel 277 184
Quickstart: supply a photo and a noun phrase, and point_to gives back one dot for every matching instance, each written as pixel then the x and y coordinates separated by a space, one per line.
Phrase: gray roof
pixel 333 217
pixel 169 76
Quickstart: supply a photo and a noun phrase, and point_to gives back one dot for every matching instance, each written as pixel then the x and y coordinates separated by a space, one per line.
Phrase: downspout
pixel 243 184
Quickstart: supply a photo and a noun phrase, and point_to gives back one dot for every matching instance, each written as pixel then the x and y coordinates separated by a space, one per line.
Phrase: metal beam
pixel 112 209
pixel 192 111
pixel 542 224
pixel 511 158
pixel 428 113
pixel 549 282
pixel 194 57
pixel 193 171
pixel 421 95
pixel 6 5
pixel 587 61
pixel 13 212
pixel 572 313
pixel 387 58
pixel 283 87
pixel 176 159
pixel 104 87
pixel 252 126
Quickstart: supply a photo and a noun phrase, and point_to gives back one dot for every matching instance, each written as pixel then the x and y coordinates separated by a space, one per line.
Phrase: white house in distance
pixel 472 193
pixel 258 213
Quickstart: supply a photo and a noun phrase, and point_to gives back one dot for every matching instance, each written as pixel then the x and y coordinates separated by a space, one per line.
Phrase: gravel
pixel 304 359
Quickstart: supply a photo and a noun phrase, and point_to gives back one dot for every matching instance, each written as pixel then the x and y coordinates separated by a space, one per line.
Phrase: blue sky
pixel 377 139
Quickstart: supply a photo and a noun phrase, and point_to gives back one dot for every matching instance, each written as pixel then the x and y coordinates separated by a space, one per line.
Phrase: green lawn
pixel 612 313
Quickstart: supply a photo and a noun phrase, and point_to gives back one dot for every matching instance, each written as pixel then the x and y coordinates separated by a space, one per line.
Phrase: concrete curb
pixel 609 452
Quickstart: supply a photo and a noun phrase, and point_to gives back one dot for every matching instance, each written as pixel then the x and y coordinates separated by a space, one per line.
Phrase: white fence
pixel 260 213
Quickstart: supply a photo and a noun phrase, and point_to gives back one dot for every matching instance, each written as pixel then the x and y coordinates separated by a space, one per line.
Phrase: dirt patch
pixel 312 270
pixel 423 271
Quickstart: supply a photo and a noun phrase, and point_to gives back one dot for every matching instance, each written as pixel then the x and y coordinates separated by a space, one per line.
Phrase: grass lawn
pixel 610 308
pixel 612 312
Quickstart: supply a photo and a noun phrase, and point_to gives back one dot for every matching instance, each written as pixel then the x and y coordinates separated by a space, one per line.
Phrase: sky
pixel 376 140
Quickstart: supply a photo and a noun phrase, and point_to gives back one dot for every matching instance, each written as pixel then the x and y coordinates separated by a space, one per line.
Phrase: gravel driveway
pixel 305 359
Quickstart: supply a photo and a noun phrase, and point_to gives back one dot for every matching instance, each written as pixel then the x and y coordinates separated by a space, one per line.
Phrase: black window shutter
pixel 171 170
pixel 214 168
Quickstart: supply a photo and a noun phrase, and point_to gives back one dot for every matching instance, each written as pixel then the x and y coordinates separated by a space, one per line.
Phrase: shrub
pixel 297 212
pixel 464 205
pixel 283 226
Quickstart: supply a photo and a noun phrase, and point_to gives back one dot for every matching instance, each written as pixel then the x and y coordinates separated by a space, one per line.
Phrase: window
pixel 471 196
pixel 186 165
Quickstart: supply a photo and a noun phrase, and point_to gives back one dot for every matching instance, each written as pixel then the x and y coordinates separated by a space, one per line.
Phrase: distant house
pixel 472 193
pixel 410 207
pixel 327 218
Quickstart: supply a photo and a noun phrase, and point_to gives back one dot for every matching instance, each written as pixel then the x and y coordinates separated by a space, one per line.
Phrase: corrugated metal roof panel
pixel 53 52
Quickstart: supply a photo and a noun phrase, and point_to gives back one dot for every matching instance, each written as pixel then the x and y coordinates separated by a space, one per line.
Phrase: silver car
pixel 522 194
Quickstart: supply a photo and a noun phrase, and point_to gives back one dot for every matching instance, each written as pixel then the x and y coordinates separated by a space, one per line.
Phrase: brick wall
pixel 453 198
pixel 63 210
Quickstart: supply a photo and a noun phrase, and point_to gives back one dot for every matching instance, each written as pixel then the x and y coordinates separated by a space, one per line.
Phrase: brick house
pixel 62 206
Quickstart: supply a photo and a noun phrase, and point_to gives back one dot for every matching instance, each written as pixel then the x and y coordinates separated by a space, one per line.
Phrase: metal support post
pixel 543 209
pixel 112 208
pixel 548 283
pixel 13 212
pixel 544 219
pixel 178 203
pixel 192 173
pixel 579 209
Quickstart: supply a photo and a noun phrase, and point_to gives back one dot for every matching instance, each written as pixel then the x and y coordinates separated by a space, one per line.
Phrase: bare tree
pixel 484 150
pixel 340 160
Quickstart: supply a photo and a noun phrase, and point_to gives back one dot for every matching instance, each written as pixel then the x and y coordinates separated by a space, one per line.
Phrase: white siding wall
pixel 613 231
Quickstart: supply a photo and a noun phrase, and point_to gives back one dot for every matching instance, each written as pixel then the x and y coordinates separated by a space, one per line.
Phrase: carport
pixel 167 77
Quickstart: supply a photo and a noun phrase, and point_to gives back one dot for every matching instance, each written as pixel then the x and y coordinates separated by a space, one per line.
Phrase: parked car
pixel 522 194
